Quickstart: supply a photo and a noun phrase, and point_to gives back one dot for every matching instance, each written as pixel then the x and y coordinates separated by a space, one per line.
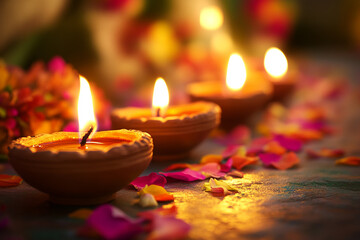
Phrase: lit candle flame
pixel 160 100
pixel 236 73
pixel 86 116
pixel 275 63
pixel 211 18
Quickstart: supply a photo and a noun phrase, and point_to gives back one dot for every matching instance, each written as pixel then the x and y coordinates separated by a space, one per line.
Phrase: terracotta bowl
pixel 282 90
pixel 81 177
pixel 235 108
pixel 183 128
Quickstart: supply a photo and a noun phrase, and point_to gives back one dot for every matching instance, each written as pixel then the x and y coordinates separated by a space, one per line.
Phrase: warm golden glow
pixel 160 100
pixel 236 73
pixel 211 18
pixel 275 62
pixel 86 114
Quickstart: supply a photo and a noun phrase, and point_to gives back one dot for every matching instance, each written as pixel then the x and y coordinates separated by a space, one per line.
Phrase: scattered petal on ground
pixel 325 153
pixel 240 162
pixel 226 167
pixel 288 160
pixel 160 194
pixel 111 223
pixel 235 173
pixel 234 150
pixel 164 225
pixel 177 166
pixel 269 158
pixel 151 179
pixel 10 180
pixel 290 144
pixel 147 200
pixel 218 187
pixel 274 147
pixel 211 158
pixel 351 161
pixel 187 175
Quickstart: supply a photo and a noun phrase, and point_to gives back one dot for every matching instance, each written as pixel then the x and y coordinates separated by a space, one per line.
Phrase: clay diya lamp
pixel 276 66
pixel 82 168
pixel 176 130
pixel 239 98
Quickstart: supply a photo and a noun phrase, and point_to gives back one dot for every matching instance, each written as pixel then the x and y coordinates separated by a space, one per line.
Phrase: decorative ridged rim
pixel 168 125
pixel 140 142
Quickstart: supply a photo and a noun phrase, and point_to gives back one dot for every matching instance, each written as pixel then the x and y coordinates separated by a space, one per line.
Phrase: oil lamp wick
pixel 158 112
pixel 86 136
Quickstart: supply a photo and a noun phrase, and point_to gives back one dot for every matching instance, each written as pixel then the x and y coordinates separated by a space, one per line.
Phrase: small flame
pixel 236 73
pixel 211 18
pixel 275 62
pixel 160 98
pixel 86 114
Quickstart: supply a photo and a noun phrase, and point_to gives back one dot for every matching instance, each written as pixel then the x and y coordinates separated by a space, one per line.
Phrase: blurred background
pixel 123 45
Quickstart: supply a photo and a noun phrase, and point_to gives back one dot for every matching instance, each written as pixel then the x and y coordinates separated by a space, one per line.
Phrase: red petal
pixel 9 180
pixel 352 161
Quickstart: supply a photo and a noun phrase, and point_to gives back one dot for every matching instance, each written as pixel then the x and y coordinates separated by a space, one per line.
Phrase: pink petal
pixel 111 223
pixel 239 135
pixel 269 158
pixel 57 64
pixel 226 167
pixel 168 227
pixel 230 150
pixel 290 144
pixel 185 175
pixel 151 179
pixel 257 145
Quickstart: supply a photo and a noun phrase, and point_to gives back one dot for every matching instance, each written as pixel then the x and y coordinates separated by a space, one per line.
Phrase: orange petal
pixel 274 147
pixel 164 197
pixel 159 193
pixel 240 162
pixel 288 160
pixel 352 161
pixel 9 180
pixel 211 158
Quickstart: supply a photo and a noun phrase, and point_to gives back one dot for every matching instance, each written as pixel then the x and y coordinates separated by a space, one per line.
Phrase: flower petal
pixel 352 161
pixel 160 194
pixel 325 152
pixel 257 145
pixel 148 200
pixel 226 167
pixel 111 223
pixel 269 158
pixel 185 175
pixel 240 162
pixel 151 179
pixel 287 161
pixel 177 166
pixel 211 158
pixel 212 170
pixel 235 173
pixel 274 147
pixel 290 144
pixel 10 180
pixel 218 187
